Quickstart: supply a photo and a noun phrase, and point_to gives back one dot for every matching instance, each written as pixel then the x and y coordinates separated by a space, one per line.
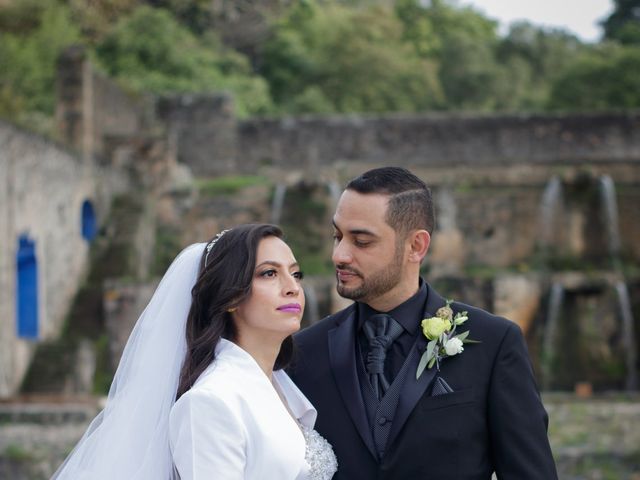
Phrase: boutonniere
pixel 443 341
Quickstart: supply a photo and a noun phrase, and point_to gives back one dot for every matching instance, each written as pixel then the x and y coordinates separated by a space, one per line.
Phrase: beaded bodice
pixel 319 455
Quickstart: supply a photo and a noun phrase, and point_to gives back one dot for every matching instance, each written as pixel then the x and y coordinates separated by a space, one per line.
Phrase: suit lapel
pixel 413 390
pixel 342 357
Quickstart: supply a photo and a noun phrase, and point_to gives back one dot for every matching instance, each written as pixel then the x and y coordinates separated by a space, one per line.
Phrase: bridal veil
pixel 129 439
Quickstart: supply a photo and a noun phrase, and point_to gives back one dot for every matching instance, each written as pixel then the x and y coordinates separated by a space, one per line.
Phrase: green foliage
pixel 468 69
pixel 463 44
pixel 194 14
pixel 33 35
pixel 308 239
pixel 96 17
pixel 531 59
pixel 608 77
pixel 150 51
pixel 19 18
pixel 330 57
pixel 623 25
pixel 321 56
pixel 17 453
pixel 418 29
pixel 227 185
pixel 165 249
pixel 103 375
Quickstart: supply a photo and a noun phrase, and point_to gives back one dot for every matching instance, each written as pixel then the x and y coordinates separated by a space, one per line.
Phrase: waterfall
pixel 628 335
pixel 447 210
pixel 334 192
pixel 556 297
pixel 550 204
pixel 278 202
pixel 610 211
pixel 311 310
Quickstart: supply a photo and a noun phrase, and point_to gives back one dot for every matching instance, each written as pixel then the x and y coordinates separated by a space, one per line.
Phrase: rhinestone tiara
pixel 210 245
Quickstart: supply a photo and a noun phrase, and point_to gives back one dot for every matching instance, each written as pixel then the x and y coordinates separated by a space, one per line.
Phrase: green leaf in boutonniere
pixel 443 341
pixel 427 357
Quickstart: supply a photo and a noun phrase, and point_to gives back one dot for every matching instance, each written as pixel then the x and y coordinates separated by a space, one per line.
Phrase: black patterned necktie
pixel 381 331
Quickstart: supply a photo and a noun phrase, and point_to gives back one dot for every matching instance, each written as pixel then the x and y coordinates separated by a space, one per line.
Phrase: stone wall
pixel 488 217
pixel 42 190
pixel 90 107
pixel 202 129
pixel 489 174
pixel 314 142
pixel 430 140
pixel 108 147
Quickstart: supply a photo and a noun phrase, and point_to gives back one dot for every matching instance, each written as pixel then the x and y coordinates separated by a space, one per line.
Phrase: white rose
pixel 453 346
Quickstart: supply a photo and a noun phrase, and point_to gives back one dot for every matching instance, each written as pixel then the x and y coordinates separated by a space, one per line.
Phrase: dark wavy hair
pixel 410 202
pixel 223 283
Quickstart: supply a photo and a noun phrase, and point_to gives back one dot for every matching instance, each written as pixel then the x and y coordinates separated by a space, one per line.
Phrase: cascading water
pixel 628 335
pixel 279 195
pixel 610 213
pixel 556 298
pixel 549 207
pixel 334 192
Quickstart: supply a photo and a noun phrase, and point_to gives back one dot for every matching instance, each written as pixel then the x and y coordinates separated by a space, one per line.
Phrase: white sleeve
pixel 207 438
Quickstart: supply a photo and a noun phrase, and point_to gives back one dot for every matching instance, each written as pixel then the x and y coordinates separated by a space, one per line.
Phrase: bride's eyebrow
pixel 273 263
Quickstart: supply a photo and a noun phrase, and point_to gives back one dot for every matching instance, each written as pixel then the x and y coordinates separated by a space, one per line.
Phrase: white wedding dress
pixel 235 423
pixel 233 419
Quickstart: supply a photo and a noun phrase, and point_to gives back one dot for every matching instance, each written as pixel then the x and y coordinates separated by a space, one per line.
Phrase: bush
pixel 150 51
pixel 33 36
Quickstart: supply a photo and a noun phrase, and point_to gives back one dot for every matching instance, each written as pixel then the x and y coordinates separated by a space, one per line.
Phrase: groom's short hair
pixel 410 202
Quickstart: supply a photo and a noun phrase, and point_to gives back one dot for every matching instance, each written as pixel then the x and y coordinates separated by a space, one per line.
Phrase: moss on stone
pixel 166 247
pixel 227 185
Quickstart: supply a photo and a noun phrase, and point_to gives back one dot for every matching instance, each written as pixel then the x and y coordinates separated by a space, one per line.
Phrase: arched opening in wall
pixel 27 289
pixel 89 224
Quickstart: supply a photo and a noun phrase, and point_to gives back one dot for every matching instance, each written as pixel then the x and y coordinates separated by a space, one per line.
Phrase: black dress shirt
pixel 409 315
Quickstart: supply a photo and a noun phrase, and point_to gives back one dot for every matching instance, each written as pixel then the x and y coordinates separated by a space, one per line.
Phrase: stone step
pixel 57 412
pixel 50 367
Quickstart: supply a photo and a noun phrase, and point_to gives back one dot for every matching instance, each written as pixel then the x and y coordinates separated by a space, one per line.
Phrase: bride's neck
pixel 264 351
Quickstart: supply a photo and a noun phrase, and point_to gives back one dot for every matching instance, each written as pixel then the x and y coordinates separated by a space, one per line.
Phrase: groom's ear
pixel 419 241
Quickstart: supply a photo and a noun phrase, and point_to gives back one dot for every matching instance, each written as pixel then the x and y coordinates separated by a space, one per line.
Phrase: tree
pixel 606 78
pixel 461 42
pixel 531 58
pixel 95 18
pixel 194 14
pixel 34 33
pixel 332 57
pixel 623 25
pixel 150 51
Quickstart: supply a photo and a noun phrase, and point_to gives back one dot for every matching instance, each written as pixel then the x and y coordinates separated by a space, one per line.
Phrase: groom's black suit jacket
pixel 493 421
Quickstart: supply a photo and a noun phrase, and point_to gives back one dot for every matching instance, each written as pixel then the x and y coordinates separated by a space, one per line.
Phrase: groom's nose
pixel 341 254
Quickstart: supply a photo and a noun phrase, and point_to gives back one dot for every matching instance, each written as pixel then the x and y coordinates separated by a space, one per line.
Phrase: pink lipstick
pixel 290 308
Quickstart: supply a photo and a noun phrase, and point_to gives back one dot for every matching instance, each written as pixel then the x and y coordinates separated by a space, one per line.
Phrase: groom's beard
pixel 376 284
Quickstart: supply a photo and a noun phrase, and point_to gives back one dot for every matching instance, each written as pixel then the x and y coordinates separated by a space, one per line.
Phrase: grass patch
pixel 228 184
pixel 17 453
pixel 606 467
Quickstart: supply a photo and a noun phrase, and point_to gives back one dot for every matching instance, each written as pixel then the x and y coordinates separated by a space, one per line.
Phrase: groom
pixel 473 412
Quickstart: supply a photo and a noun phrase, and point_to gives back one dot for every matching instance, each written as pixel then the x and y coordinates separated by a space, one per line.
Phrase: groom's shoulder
pixel 485 324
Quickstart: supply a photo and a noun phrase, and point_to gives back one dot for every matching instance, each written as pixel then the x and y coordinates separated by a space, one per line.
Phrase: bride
pixel 200 392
